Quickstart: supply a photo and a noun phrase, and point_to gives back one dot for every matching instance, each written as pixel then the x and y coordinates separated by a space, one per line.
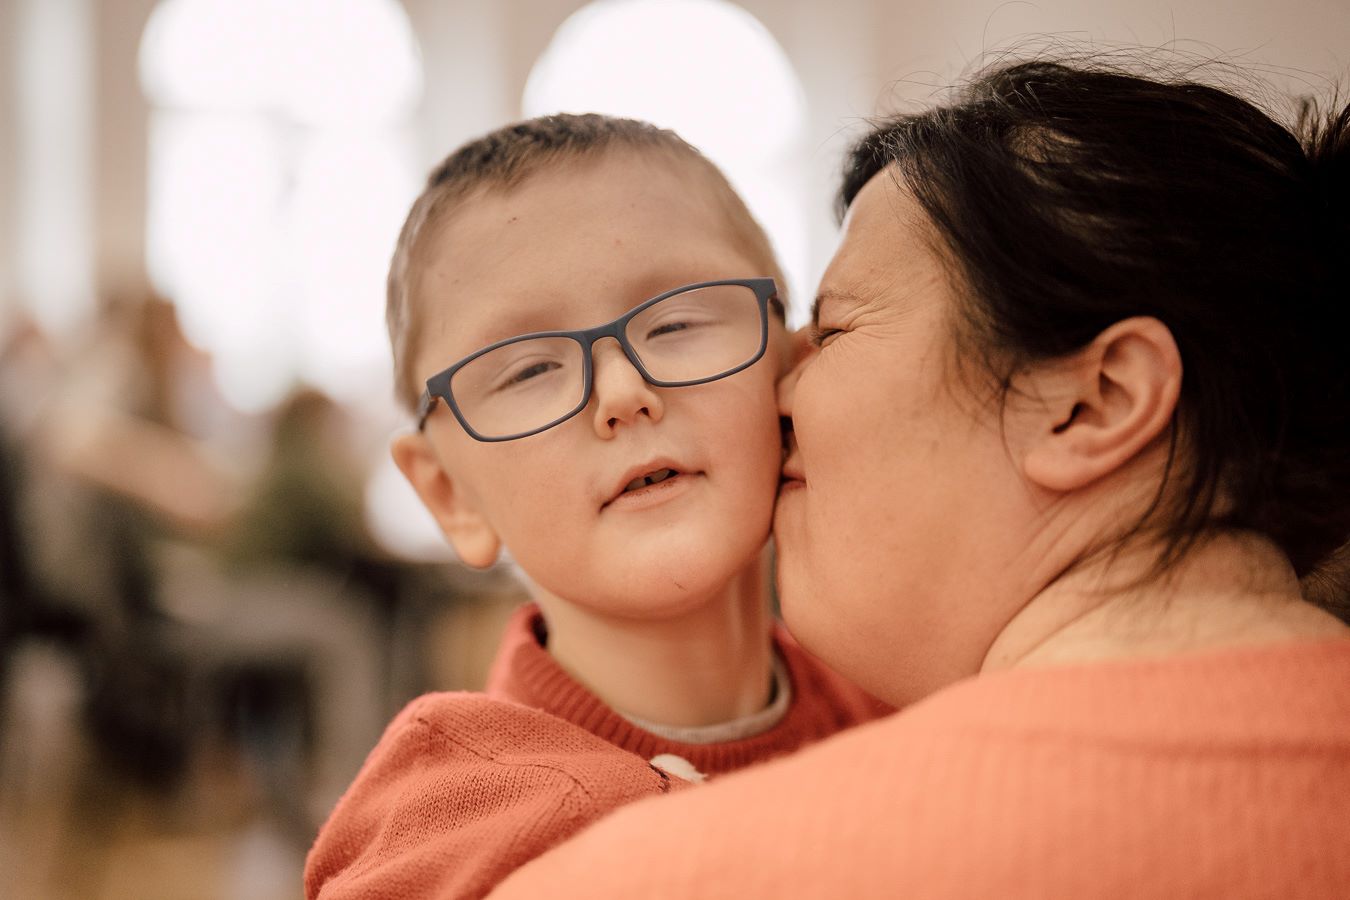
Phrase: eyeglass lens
pixel 690 336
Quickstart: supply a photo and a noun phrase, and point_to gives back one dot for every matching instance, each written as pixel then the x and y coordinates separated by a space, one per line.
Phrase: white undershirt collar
pixel 736 729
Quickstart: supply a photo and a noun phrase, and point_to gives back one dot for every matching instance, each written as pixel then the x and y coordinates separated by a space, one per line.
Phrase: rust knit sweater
pixel 464 788
pixel 1216 775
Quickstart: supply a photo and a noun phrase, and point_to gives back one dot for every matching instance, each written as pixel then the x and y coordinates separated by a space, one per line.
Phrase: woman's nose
pixel 620 394
pixel 787 385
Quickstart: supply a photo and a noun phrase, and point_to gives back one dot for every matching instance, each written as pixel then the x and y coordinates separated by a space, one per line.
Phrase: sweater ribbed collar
pixel 524 672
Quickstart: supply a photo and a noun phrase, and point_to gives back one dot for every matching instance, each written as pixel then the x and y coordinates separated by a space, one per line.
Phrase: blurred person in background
pixel 305 505
pixel 207 575
pixel 91 701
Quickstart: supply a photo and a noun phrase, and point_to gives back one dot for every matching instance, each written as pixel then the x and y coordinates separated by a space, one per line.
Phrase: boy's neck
pixel 711 665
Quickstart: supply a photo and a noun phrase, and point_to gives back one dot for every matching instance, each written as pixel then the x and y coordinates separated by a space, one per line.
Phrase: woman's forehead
pixel 883 237
pixel 886 199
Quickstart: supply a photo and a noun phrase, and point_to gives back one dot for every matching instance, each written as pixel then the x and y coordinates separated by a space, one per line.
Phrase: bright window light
pixel 321 62
pixel 709 70
pixel 278 180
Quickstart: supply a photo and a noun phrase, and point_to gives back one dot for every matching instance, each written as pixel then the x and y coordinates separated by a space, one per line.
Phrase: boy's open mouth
pixel 649 479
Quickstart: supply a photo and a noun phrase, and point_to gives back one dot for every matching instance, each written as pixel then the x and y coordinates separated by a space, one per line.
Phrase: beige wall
pixel 1308 35
pixel 853 56
pixel 8 150
pixel 120 122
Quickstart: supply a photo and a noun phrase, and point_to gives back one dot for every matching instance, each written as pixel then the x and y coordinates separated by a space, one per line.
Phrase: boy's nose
pixel 620 393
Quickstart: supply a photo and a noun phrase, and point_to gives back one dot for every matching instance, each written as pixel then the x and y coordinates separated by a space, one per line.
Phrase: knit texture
pixel 823 702
pixel 464 788
pixel 1215 775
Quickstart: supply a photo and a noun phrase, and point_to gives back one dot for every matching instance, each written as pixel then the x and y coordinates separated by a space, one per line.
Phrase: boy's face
pixel 571 249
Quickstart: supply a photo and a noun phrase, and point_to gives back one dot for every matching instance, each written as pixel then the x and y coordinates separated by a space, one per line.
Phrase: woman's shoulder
pixel 1027 783
pixel 1294 692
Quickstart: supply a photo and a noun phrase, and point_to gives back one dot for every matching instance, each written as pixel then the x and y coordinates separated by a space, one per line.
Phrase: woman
pixel 1077 422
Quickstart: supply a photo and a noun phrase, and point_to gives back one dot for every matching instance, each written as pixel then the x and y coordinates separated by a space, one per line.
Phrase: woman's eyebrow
pixel 832 296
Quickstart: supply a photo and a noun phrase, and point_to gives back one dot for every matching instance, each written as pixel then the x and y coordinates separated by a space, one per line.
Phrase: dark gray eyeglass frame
pixel 438 385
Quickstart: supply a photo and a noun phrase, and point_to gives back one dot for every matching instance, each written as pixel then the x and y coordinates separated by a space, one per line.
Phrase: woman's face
pixel 901 521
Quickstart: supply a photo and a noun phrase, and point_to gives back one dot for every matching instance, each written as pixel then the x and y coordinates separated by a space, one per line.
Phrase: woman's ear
pixel 460 519
pixel 1105 404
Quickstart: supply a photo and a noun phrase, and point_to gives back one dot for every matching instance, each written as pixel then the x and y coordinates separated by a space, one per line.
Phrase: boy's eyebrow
pixel 832 296
pixel 510 318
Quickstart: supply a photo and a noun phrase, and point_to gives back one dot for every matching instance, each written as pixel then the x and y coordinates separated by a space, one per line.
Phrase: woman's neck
pixel 1231 590
pixel 710 665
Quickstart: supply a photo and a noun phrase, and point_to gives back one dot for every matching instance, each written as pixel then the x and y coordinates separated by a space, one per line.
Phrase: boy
pixel 637 503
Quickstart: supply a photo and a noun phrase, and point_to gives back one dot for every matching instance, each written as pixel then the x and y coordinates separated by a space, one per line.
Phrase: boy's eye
pixel 690 324
pixel 531 371
pixel 668 328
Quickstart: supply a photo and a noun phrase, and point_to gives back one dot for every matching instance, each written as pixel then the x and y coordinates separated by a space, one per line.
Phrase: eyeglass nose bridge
pixel 592 336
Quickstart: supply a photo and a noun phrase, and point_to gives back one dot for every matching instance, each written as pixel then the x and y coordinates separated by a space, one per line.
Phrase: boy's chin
pixel 659 573
pixel 661 593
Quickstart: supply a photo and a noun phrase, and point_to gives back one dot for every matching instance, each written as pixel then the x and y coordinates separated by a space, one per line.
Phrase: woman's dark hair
pixel 1071 197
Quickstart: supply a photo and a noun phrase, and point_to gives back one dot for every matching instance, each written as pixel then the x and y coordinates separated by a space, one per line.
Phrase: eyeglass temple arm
pixel 424 407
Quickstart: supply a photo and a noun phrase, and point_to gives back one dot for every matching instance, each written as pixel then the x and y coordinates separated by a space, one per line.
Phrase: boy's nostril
pixel 640 411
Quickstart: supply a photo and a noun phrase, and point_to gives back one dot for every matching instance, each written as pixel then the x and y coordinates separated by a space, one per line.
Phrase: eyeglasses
pixel 527 384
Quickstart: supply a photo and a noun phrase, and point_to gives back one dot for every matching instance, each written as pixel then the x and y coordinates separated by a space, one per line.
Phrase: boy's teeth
pixel 653 478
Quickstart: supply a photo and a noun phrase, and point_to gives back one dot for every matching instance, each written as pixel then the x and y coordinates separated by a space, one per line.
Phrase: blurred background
pixel 214 587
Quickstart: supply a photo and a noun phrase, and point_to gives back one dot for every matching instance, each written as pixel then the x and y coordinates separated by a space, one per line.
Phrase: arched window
pixel 711 71
pixel 280 172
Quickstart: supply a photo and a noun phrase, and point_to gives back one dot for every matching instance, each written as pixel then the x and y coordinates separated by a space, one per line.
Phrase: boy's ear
pixel 1105 404
pixel 464 525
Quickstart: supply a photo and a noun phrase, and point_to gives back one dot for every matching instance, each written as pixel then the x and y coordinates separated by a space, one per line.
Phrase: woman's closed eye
pixel 819 336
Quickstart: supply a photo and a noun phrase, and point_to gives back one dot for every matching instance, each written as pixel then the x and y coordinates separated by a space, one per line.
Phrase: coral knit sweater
pixel 1216 775
pixel 464 788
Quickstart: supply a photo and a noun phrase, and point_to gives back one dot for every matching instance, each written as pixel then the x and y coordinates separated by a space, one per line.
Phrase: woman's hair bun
pixel 1326 141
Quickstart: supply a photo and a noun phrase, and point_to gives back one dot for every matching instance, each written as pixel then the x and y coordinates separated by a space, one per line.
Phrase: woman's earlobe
pixel 464 525
pixel 1117 396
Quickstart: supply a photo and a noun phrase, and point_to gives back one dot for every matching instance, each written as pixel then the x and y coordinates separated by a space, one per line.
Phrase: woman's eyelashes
pixel 820 336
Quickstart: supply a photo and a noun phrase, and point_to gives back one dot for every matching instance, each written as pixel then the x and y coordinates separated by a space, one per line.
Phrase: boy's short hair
pixel 501 161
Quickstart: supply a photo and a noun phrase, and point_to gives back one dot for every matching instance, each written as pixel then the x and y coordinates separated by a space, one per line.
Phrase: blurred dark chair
pixel 14 579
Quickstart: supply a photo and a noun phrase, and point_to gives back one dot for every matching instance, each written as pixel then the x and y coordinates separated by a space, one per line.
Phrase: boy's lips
pixel 651 472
